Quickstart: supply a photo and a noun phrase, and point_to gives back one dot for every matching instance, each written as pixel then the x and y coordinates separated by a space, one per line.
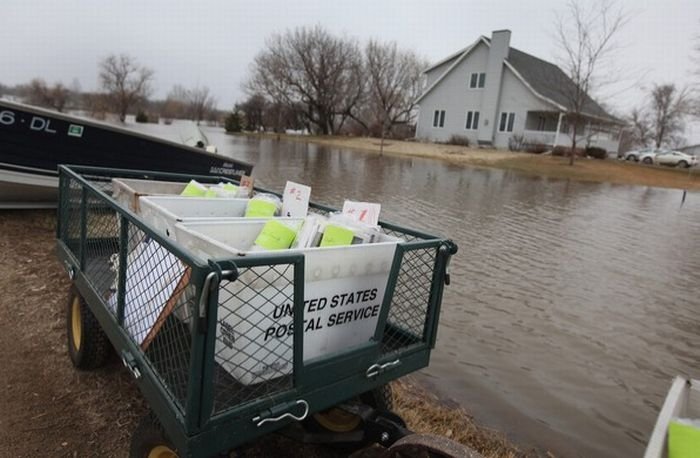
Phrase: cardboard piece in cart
pixel 155 281
pixel 247 183
pixel 364 212
pixel 295 200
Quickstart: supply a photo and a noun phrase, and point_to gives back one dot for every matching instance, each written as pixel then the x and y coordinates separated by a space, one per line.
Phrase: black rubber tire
pixel 683 164
pixel 648 160
pixel 93 349
pixel 381 398
pixel 148 435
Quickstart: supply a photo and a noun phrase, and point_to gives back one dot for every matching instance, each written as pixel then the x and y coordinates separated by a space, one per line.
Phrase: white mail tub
pixel 344 290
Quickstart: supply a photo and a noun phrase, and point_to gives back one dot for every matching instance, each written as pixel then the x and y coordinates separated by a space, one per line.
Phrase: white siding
pixel 453 95
pixel 516 98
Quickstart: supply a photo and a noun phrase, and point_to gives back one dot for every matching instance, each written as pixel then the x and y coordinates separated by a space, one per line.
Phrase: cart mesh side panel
pixel 70 215
pixel 409 306
pixel 101 246
pixel 253 357
pixel 158 309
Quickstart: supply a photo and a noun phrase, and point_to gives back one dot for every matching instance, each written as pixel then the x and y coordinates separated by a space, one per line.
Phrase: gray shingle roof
pixel 545 78
pixel 550 81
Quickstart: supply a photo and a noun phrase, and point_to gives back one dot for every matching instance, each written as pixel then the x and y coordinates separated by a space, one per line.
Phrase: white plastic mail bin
pixel 344 289
pixel 126 191
pixel 163 212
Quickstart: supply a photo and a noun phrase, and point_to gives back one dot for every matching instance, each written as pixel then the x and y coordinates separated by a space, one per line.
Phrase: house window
pixel 472 120
pixel 541 120
pixel 439 118
pixel 506 122
pixel 477 80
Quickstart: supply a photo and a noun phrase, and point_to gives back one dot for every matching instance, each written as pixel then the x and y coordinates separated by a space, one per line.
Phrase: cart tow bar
pixel 260 420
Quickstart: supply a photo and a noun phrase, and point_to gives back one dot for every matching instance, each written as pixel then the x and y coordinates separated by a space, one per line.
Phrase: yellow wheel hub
pixel 337 420
pixel 76 323
pixel 162 451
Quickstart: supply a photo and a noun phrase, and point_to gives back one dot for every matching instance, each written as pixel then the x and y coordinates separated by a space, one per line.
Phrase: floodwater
pixel 572 304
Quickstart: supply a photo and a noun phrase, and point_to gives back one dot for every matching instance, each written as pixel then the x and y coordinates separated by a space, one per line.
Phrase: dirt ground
pixel 47 408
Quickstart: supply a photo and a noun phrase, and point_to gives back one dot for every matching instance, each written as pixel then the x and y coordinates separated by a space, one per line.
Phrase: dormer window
pixel 477 80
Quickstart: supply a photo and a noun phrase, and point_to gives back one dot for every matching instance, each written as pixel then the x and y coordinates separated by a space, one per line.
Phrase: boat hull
pixel 33 142
pixel 27 189
pixel 682 401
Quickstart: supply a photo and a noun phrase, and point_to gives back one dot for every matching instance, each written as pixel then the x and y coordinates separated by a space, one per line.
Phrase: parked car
pixel 675 159
pixel 635 154
pixel 649 156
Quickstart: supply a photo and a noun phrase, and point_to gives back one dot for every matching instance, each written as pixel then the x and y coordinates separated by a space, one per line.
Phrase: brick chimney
pixel 500 44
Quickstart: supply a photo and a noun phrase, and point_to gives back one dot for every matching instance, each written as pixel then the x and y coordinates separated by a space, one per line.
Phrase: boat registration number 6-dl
pixel 8 118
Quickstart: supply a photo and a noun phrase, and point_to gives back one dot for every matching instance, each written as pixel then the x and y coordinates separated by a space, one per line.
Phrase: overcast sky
pixel 212 43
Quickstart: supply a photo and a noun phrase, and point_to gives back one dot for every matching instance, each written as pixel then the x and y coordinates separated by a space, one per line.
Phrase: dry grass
pixel 426 413
pixel 602 171
pixel 453 153
pixel 609 171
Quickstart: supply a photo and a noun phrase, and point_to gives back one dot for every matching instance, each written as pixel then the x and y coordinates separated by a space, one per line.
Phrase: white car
pixel 668 157
pixel 636 154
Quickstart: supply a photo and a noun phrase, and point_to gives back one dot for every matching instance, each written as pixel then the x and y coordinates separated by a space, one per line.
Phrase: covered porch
pixel 552 128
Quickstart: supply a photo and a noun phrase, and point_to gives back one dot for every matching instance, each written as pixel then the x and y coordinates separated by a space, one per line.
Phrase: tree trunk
pixel 573 146
pixel 381 143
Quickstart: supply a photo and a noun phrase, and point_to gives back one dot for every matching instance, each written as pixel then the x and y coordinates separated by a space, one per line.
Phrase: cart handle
pixel 209 286
pixel 261 421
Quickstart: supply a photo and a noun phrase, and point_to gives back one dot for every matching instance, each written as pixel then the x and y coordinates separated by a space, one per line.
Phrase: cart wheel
pixel 88 346
pixel 381 398
pixel 429 446
pixel 149 440
pixel 339 421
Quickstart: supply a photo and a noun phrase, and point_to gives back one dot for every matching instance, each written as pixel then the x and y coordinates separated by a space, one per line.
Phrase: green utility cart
pixel 195 331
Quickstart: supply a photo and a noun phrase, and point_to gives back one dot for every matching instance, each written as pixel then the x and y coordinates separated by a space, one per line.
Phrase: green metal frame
pixel 322 383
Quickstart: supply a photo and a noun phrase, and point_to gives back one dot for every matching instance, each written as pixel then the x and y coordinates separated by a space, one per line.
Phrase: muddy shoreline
pixel 610 170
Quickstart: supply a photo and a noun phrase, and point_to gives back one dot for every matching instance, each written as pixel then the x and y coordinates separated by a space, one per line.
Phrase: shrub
pixel 516 142
pixel 233 123
pixel 459 140
pixel 536 148
pixel 565 150
pixel 596 153
pixel 141 116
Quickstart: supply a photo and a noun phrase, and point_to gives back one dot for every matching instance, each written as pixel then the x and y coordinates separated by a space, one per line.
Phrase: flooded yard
pixel 572 304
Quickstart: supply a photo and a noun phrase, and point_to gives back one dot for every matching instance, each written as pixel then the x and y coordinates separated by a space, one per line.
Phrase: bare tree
pixel 640 127
pixel 125 82
pixel 661 120
pixel 394 80
pixel 37 92
pixel 311 67
pixel 200 103
pixel 175 104
pixel 668 108
pixel 585 35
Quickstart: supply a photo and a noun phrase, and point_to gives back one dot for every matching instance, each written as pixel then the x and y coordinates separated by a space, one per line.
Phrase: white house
pixel 494 94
